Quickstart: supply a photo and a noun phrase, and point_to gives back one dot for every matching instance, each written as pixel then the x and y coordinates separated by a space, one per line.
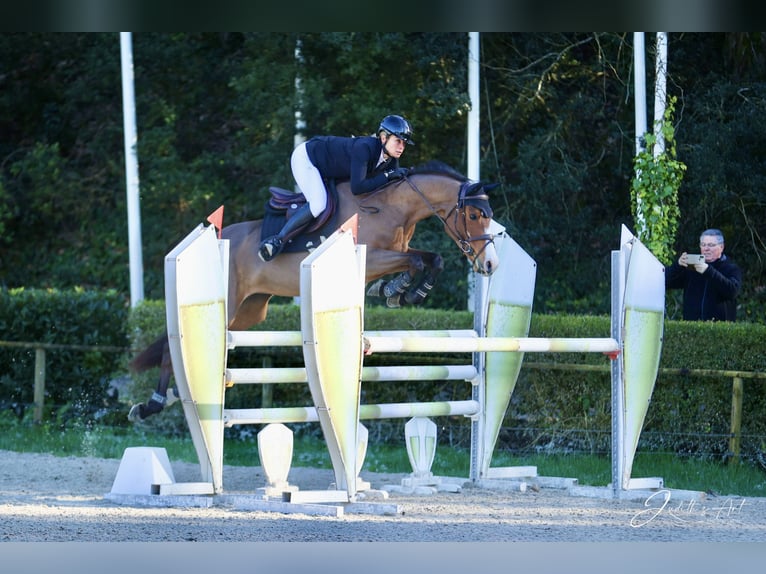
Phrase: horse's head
pixel 470 226
pixel 467 218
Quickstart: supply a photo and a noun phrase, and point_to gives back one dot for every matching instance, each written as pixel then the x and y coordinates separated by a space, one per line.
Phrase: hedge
pixel 552 409
pixel 77 379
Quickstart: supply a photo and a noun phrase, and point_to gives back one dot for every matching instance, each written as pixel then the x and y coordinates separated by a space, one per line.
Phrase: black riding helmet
pixel 397 126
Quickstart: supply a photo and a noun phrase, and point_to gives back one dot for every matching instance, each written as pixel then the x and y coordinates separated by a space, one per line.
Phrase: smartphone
pixel 694 259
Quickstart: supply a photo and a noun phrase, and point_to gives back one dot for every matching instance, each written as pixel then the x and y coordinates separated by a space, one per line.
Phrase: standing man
pixel 711 286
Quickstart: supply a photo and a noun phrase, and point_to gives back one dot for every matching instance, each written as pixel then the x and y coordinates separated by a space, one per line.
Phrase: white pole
pixel 477 286
pixel 131 171
pixel 473 113
pixel 640 108
pixel 300 123
pixel 660 91
pixel 473 168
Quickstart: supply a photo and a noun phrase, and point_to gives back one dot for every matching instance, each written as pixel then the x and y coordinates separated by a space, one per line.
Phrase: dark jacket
pixel 352 159
pixel 709 296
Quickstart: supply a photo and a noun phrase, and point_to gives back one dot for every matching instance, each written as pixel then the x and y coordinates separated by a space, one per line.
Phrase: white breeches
pixel 309 180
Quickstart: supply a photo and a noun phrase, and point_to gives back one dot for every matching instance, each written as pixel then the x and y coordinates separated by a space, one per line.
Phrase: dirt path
pixel 48 498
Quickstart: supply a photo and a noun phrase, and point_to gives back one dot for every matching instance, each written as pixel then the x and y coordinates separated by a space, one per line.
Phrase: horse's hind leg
pixel 160 397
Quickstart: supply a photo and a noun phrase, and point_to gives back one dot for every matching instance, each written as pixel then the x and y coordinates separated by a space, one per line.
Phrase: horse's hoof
pixel 172 396
pixel 394 302
pixel 376 289
pixel 134 415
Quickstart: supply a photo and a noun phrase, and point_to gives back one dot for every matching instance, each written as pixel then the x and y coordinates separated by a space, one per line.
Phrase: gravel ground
pixel 44 498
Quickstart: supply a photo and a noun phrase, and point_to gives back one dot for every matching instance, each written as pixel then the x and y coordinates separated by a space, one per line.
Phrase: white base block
pixel 141 468
pixel 512 472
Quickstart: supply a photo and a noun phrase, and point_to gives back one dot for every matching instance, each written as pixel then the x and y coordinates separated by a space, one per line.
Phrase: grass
pixel 742 479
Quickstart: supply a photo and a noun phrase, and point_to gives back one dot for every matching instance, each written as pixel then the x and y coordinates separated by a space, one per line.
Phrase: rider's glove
pixel 397 173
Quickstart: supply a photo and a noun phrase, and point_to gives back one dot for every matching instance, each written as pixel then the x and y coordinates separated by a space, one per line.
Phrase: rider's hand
pixel 397 173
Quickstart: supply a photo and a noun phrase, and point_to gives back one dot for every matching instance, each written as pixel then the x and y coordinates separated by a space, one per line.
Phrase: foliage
pixel 86 332
pixel 655 190
pixel 562 401
pixel 216 124
pixel 724 129
pixel 688 414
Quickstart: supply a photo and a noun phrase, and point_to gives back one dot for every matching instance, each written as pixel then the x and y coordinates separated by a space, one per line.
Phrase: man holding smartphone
pixel 711 281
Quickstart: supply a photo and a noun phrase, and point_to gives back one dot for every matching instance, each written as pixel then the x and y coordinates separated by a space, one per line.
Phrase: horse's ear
pixel 490 186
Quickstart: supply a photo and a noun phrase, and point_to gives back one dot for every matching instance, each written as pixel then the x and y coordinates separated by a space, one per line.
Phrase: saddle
pixel 284 203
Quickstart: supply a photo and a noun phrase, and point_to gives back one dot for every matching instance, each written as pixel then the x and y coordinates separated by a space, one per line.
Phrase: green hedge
pixel 552 410
pixel 77 380
pixel 556 410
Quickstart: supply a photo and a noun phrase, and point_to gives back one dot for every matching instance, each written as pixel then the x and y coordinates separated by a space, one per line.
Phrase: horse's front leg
pixel 380 263
pixel 434 265
pixel 403 289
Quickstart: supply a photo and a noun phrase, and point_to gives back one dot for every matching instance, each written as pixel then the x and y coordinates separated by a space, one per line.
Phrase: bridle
pixel 459 214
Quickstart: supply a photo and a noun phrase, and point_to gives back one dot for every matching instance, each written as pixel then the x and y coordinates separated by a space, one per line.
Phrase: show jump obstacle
pixel 334 344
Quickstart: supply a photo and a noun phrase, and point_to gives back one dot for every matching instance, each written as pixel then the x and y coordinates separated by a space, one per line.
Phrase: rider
pixel 368 161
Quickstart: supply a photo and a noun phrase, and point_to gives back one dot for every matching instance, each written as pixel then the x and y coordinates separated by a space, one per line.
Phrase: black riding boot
pixel 272 246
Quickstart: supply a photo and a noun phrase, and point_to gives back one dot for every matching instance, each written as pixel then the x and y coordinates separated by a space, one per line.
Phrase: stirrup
pixel 270 248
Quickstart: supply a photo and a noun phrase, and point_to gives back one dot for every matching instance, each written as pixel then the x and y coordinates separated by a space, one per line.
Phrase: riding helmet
pixel 398 126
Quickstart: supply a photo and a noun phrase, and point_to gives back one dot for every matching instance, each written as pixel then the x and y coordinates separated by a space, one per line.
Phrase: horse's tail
pixel 149 357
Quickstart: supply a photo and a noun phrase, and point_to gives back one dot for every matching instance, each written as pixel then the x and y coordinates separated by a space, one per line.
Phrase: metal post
pixel 131 171
pixel 618 393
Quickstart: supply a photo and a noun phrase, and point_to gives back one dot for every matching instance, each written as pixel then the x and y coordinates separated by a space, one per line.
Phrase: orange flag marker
pixel 216 218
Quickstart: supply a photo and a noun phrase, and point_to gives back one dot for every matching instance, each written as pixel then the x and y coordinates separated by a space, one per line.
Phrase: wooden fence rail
pixel 737 390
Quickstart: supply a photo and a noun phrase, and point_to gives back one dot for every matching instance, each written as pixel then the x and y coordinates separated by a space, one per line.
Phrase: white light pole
pixel 131 171
pixel 640 109
pixel 472 145
pixel 660 91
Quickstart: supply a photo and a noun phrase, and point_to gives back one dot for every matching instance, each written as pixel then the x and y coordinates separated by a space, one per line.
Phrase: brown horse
pixel 386 224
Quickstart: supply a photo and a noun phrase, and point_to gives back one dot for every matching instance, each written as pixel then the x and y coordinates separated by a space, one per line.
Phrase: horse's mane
pixel 438 167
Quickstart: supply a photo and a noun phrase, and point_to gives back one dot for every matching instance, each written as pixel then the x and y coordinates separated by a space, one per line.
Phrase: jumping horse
pixel 386 223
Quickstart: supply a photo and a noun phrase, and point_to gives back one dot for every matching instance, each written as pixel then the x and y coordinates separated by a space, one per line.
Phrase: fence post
pixel 39 396
pixel 735 440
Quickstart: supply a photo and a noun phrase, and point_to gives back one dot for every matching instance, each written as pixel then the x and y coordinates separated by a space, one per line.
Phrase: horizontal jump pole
pixel 263 339
pixel 236 339
pixel 232 417
pixel 392 373
pixel 413 344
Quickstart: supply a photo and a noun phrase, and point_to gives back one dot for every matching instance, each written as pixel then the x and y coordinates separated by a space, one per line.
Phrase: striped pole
pixel 234 417
pixel 485 344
